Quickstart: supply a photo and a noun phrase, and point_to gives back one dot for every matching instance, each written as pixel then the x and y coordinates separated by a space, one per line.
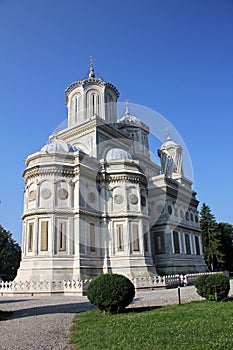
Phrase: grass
pixel 198 325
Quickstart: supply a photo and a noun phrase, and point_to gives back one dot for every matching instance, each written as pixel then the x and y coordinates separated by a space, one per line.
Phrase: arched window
pixel 94 104
pixel 75 108
pixel 108 106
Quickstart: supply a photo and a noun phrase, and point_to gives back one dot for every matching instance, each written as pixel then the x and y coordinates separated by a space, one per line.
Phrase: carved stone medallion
pixel 46 193
pixel 133 198
pixel 160 209
pixel 169 209
pixel 91 197
pixel 118 198
pixel 62 193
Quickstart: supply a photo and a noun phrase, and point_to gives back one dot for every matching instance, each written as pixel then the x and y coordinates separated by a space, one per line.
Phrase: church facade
pixel 95 202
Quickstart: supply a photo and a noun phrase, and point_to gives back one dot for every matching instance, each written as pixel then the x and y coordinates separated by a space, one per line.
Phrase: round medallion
pixel 133 198
pixel 169 209
pixel 91 197
pixel 32 196
pixel 62 193
pixel 160 209
pixel 46 193
pixel 118 198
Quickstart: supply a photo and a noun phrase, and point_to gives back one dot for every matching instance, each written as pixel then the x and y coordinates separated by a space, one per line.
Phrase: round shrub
pixel 200 285
pixel 213 287
pixel 111 292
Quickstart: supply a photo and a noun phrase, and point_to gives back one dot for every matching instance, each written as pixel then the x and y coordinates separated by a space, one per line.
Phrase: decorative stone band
pixel 79 287
pixel 46 171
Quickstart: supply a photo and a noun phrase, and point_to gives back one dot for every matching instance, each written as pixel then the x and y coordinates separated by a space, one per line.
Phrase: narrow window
pixel 44 236
pixel 197 245
pixel 191 217
pixel 92 237
pixel 92 105
pixel 62 236
pixel 76 109
pixel 97 105
pixel 159 244
pixel 135 237
pixel 120 242
pixel 145 239
pixel 30 237
pixel 187 244
pixel 176 242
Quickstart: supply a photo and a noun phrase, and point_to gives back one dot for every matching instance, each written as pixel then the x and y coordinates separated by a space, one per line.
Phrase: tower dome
pixel 117 154
pixel 91 97
pixel 168 144
pixel 59 146
pixel 170 154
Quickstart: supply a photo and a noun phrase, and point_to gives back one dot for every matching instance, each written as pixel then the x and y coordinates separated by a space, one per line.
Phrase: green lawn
pixel 197 325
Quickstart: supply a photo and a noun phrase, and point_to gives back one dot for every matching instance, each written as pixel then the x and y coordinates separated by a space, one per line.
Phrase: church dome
pixel 117 154
pixel 169 144
pixel 59 146
pixel 130 119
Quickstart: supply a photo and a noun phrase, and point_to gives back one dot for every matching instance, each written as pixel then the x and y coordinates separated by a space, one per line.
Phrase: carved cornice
pixel 122 177
pixel 90 81
pixel 47 211
pixel 36 171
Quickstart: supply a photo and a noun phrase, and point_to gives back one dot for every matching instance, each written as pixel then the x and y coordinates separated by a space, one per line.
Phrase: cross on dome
pixel 91 62
pixel 127 100
pixel 168 132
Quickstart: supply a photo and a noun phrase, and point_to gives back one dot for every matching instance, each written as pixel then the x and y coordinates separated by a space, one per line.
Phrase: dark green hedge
pixel 213 287
pixel 111 292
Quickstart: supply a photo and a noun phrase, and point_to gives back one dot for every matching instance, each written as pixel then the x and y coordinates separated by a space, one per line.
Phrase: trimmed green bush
pixel 200 285
pixel 111 292
pixel 213 287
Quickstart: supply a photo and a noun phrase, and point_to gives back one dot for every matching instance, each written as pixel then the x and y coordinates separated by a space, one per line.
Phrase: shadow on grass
pixel 141 309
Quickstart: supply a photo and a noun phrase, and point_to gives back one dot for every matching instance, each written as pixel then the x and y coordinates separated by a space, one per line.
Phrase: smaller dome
pixel 59 146
pixel 169 144
pixel 130 119
pixel 117 154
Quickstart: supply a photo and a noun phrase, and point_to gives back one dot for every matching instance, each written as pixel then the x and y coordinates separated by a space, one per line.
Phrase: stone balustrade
pixel 79 287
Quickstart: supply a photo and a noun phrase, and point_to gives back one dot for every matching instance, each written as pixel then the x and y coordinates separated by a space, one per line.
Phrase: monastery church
pixel 95 202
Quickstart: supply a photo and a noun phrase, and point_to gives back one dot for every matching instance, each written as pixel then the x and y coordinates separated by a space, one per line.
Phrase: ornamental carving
pixel 160 209
pixel 32 196
pixel 169 209
pixel 46 193
pixel 91 197
pixel 62 193
pixel 133 198
pixel 118 198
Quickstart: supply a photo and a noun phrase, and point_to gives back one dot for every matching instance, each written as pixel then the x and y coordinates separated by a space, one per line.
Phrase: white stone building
pixel 95 202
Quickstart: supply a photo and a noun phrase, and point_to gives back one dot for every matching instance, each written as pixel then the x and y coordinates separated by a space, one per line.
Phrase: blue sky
pixel 173 56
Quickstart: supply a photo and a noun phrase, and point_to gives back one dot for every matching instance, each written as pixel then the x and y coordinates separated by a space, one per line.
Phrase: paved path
pixel 44 323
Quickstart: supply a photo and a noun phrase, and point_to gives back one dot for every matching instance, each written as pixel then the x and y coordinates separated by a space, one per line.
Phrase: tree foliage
pixel 226 234
pixel 10 255
pixel 211 239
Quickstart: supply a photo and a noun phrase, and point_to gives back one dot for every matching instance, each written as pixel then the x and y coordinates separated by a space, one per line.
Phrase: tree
pixel 226 234
pixel 211 239
pixel 10 255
